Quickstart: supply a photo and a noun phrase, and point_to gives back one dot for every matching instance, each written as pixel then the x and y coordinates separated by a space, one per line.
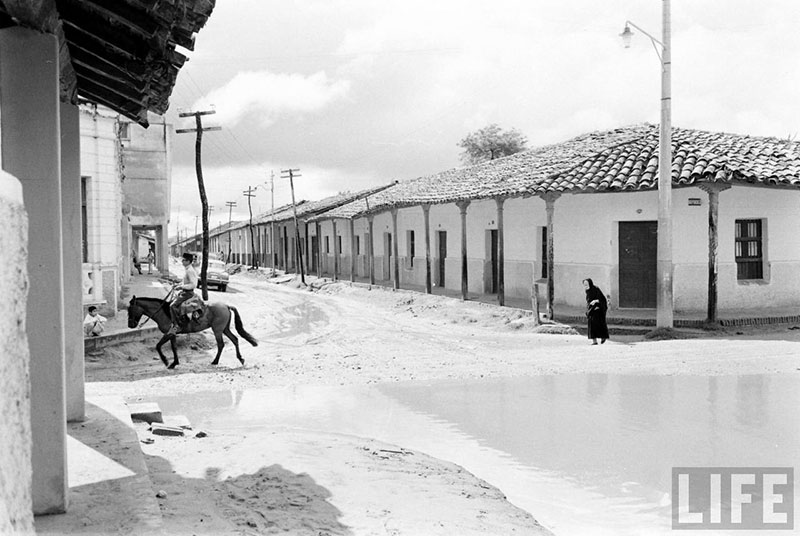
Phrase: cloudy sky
pixel 357 93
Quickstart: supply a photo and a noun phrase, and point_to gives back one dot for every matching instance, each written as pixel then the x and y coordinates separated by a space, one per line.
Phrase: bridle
pixel 147 317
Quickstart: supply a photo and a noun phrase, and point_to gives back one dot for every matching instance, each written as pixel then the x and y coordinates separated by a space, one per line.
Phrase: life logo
pixel 747 498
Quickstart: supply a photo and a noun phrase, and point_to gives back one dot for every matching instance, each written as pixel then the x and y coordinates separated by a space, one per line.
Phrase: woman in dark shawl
pixel 596 307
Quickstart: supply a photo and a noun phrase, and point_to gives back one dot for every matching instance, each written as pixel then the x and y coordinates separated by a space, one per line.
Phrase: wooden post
pixel 535 300
pixel 371 252
pixel 501 294
pixel 462 207
pixel 335 253
pixel 426 209
pixel 319 250
pixel 550 200
pixel 712 189
pixel 352 251
pixel 396 262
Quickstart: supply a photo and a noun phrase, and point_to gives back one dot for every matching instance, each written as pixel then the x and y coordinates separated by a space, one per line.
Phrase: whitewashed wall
pixel 586 243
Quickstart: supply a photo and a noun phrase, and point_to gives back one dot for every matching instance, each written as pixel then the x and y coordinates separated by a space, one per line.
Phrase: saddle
pixel 193 309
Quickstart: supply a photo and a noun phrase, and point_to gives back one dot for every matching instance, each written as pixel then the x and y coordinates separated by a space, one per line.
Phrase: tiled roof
pixel 309 209
pixel 624 159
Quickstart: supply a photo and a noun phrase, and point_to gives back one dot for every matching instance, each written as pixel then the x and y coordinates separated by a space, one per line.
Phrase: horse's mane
pixel 164 304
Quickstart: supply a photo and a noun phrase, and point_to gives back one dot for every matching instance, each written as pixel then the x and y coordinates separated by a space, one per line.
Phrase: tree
pixel 491 142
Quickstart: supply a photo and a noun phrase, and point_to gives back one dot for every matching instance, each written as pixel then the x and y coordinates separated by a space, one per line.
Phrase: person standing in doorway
pixel 136 263
pixel 183 291
pixel 151 258
pixel 596 307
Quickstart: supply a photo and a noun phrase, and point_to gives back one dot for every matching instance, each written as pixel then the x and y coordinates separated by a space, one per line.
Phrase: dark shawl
pixel 596 314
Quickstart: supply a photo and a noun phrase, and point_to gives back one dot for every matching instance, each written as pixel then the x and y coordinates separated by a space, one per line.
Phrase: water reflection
pixel 584 453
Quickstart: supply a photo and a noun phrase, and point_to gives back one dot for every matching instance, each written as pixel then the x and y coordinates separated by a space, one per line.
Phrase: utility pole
pixel 291 174
pixel 272 221
pixel 199 169
pixel 250 193
pixel 230 205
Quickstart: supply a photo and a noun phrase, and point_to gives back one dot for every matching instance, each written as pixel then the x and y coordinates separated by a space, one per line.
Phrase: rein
pixel 166 299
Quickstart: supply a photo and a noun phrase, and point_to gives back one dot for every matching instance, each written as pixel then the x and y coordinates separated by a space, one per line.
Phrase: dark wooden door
pixel 314 252
pixel 494 259
pixel 442 256
pixel 637 264
pixel 387 256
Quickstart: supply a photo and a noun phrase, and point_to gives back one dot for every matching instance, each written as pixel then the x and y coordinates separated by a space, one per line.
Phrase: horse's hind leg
pixel 235 340
pixel 220 346
pixel 174 352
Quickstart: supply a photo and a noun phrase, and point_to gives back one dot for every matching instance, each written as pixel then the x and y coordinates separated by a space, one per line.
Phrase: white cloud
pixel 269 95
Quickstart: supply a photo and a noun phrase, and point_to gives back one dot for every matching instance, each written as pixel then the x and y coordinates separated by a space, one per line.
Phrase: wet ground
pixel 586 454
pixel 582 437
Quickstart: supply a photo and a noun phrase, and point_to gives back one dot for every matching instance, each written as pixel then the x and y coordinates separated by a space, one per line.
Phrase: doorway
pixel 441 237
pixel 637 264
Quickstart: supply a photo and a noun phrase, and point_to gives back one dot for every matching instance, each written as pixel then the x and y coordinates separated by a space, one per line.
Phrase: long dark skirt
pixel 598 329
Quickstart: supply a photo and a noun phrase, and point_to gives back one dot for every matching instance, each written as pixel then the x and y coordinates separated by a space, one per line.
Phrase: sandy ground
pixel 303 482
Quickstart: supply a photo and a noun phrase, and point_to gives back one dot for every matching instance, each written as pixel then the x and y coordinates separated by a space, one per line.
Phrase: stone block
pixel 148 412
pixel 165 430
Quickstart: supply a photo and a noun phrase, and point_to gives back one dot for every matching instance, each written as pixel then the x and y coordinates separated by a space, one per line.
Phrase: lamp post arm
pixel 653 40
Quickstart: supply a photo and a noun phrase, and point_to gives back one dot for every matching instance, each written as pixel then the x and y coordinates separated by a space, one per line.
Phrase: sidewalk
pixel 110 491
pixel 619 317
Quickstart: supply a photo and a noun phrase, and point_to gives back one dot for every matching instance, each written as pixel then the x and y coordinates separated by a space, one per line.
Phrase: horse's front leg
pixel 174 352
pixel 159 345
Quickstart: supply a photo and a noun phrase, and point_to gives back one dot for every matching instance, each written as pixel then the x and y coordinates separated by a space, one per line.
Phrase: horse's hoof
pixel 172 366
pixel 241 360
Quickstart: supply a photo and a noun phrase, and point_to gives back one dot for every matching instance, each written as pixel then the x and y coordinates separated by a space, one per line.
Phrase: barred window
pixel 749 250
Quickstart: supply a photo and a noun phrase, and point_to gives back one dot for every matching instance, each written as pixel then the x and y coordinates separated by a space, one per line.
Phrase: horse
pixel 217 317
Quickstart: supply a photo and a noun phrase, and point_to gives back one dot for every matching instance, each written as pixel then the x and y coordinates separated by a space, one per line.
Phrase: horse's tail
pixel 237 320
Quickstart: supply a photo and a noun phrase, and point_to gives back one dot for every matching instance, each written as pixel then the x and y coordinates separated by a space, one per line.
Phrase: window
pixel 749 250
pixel 124 131
pixel 327 244
pixel 339 244
pixel 358 245
pixel 544 253
pixel 410 247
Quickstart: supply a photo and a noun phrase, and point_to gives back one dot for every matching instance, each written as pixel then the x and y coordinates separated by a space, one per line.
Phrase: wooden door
pixel 387 256
pixel 637 264
pixel 494 258
pixel 442 235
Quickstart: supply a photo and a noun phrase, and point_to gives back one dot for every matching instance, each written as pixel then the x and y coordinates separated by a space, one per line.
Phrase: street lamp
pixel 664 313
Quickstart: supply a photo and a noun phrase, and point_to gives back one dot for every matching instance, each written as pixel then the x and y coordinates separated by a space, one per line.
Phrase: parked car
pixel 217 275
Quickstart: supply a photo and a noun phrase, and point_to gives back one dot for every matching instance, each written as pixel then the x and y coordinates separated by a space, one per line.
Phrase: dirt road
pixel 340 334
pixel 303 482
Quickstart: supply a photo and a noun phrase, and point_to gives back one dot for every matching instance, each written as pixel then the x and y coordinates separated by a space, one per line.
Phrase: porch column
pixel 352 251
pixel 72 245
pixel 31 150
pixel 307 242
pixel 371 251
pixel 712 189
pixel 426 210
pixel 319 249
pixel 335 253
pixel 162 249
pixel 550 202
pixel 396 262
pixel 462 208
pixel 501 293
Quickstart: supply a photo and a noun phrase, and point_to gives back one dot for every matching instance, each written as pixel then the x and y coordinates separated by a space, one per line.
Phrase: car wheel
pixel 222 288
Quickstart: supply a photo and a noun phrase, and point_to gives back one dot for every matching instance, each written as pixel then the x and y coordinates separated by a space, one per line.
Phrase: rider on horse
pixel 186 290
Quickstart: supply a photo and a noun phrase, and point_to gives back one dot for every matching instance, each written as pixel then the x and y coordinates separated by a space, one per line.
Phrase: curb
pixel 134 335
